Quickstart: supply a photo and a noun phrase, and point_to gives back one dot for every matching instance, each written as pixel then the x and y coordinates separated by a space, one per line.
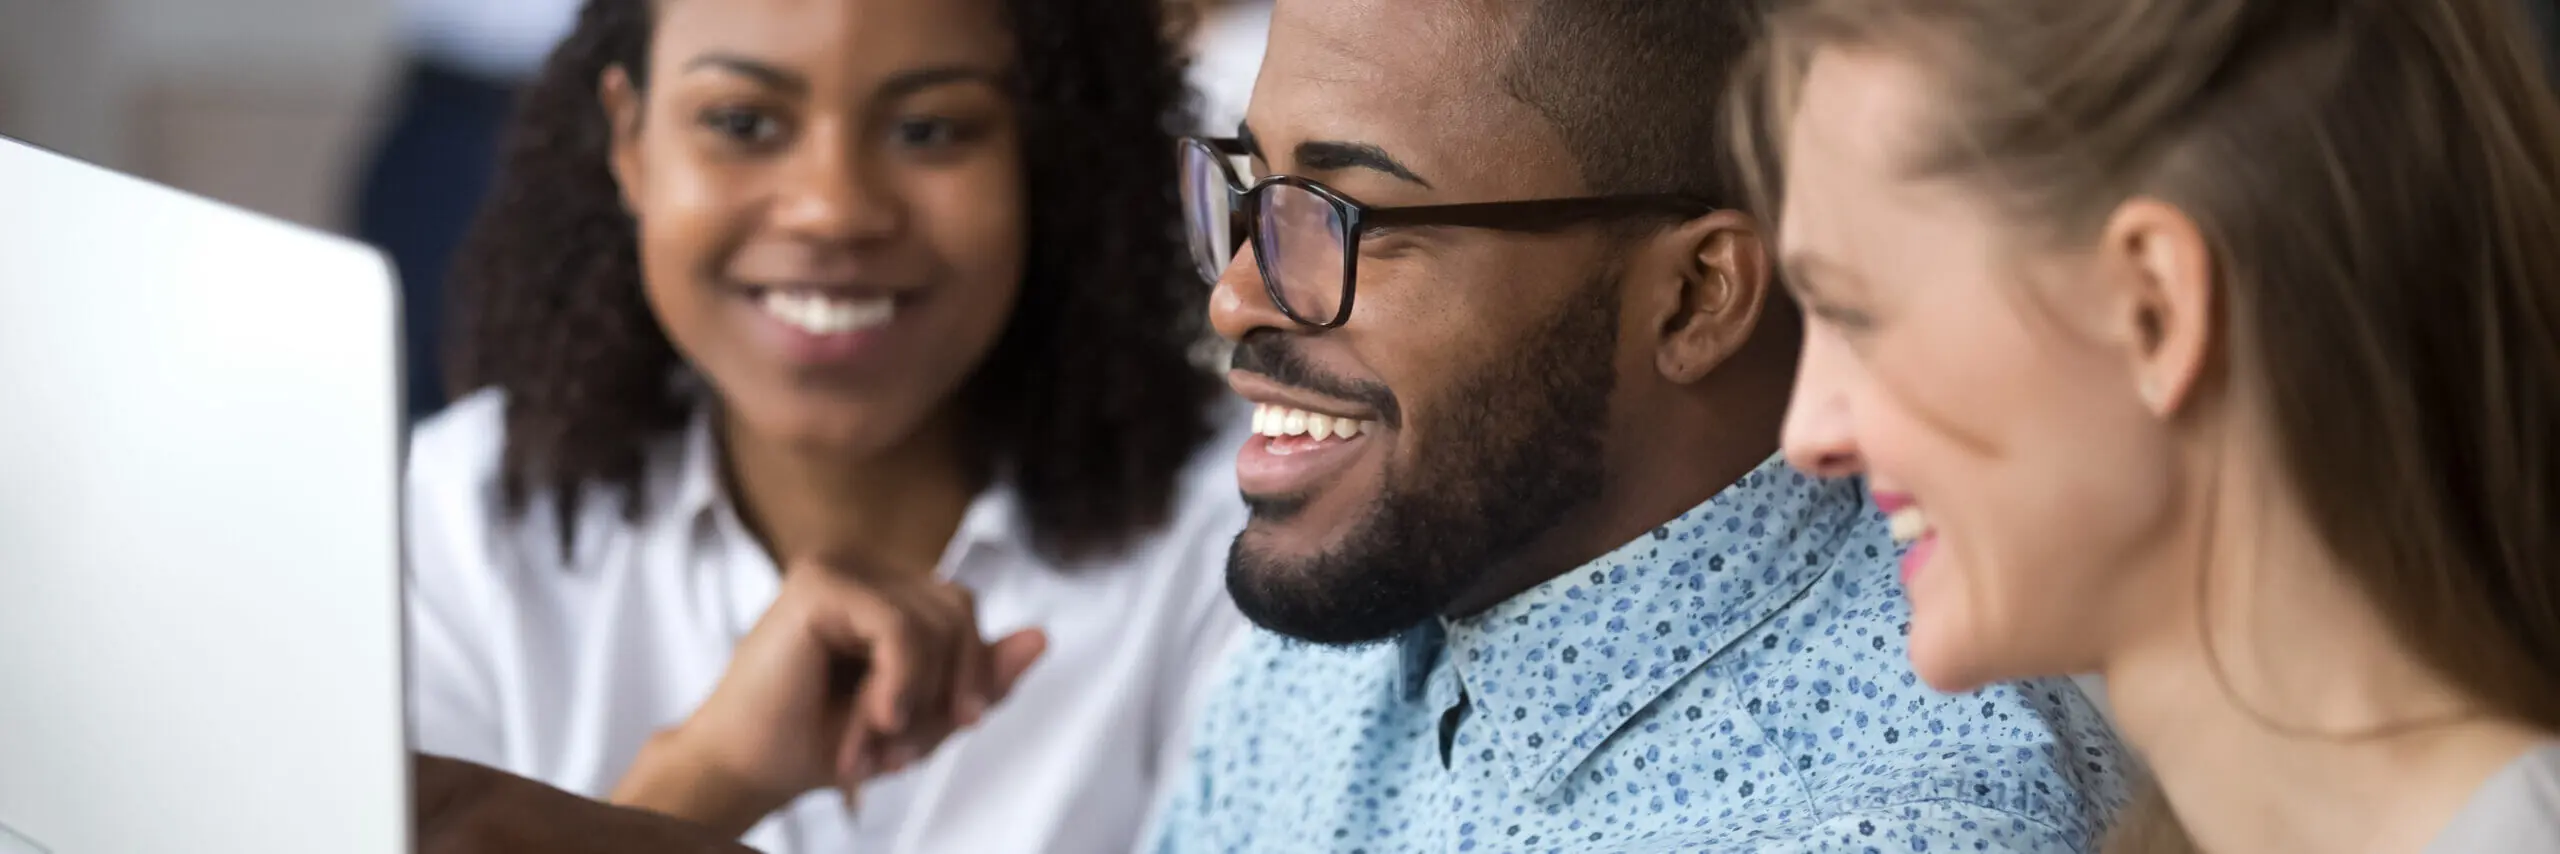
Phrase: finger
pixel 854 620
pixel 914 747
pixel 850 785
pixel 972 665
pixel 934 635
pixel 943 614
pixel 854 751
pixel 901 755
pixel 848 619
pixel 1014 655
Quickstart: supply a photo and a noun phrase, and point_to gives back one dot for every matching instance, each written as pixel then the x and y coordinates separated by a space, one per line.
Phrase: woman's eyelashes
pixel 927 132
pixel 760 129
pixel 1846 320
pixel 742 127
pixel 936 137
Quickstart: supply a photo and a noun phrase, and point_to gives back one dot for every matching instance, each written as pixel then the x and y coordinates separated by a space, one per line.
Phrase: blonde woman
pixel 2213 346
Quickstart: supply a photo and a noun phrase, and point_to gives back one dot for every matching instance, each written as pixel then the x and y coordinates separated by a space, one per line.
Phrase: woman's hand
pixel 844 679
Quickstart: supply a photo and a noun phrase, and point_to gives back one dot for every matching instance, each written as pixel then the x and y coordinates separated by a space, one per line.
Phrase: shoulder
pixel 454 482
pixel 456 555
pixel 456 515
pixel 1879 763
pixel 467 437
pixel 452 473
pixel 1262 695
pixel 2517 810
pixel 1880 742
pixel 1286 728
pixel 1870 738
pixel 1266 667
pixel 1931 826
pixel 1939 825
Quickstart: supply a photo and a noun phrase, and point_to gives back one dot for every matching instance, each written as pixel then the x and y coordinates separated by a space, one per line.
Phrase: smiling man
pixel 1532 575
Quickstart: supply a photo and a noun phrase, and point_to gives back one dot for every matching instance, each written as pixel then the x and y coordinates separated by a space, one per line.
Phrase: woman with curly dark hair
pixel 808 343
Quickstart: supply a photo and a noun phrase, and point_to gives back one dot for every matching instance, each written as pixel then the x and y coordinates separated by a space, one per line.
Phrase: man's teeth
pixel 1908 524
pixel 819 314
pixel 1276 421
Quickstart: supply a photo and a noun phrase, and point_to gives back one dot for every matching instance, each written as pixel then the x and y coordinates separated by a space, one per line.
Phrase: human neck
pixel 892 511
pixel 2328 736
pixel 1687 460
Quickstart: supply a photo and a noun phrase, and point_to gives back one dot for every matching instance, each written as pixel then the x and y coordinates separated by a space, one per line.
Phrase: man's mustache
pixel 1274 354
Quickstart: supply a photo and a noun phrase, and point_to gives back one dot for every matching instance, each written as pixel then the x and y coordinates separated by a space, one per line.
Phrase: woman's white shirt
pixel 558 664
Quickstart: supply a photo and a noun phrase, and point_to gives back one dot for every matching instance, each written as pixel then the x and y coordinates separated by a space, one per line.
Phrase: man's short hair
pixel 1635 87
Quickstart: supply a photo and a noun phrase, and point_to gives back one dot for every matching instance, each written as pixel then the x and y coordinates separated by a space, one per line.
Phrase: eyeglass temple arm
pixel 1538 214
pixel 1533 214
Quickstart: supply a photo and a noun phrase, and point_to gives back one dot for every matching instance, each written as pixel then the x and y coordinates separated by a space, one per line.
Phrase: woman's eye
pixel 752 127
pixel 1843 319
pixel 928 133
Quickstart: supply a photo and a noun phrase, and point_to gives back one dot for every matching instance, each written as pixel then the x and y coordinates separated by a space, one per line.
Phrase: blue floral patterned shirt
pixel 1734 681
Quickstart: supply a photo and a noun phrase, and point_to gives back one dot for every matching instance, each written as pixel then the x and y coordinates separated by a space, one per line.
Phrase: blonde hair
pixel 2379 181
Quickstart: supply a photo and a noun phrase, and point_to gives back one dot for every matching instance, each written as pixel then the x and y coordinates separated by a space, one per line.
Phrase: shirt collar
pixel 699 490
pixel 1554 671
pixel 699 498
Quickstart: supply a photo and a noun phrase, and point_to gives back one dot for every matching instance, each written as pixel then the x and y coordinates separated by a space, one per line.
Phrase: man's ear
pixel 1713 294
pixel 622 107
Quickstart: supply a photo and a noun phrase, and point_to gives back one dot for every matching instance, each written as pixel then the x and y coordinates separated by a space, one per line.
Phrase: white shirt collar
pixel 700 499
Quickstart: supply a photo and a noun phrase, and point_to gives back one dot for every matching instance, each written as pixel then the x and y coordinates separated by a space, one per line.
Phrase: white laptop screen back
pixel 199 549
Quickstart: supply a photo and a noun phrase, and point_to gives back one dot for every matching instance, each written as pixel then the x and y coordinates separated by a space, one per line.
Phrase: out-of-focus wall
pixel 227 34
pixel 58 82
pixel 262 103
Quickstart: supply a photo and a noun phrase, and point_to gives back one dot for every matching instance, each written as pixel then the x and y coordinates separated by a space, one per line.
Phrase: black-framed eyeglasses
pixel 1306 236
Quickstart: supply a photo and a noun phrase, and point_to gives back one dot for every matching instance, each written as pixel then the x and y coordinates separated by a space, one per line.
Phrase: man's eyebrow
pixel 762 72
pixel 1324 155
pixel 1333 156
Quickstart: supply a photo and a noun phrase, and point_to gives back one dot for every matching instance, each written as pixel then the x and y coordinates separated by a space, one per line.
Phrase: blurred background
pixel 264 103
pixel 372 118
pixel 269 104
pixel 376 119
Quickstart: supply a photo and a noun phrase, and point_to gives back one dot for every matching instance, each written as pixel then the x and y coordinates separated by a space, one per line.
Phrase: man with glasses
pixel 1532 574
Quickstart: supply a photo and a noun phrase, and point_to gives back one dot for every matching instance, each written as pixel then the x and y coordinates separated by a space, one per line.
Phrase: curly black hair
pixel 1089 401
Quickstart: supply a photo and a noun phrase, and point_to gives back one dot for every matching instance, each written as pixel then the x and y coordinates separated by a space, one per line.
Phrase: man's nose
pixel 1239 303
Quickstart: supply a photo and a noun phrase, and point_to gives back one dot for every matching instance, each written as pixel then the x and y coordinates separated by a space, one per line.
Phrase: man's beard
pixel 1514 450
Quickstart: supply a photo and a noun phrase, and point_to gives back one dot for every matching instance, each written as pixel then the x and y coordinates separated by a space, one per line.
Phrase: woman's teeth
pixel 1909 524
pixel 819 314
pixel 1277 421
